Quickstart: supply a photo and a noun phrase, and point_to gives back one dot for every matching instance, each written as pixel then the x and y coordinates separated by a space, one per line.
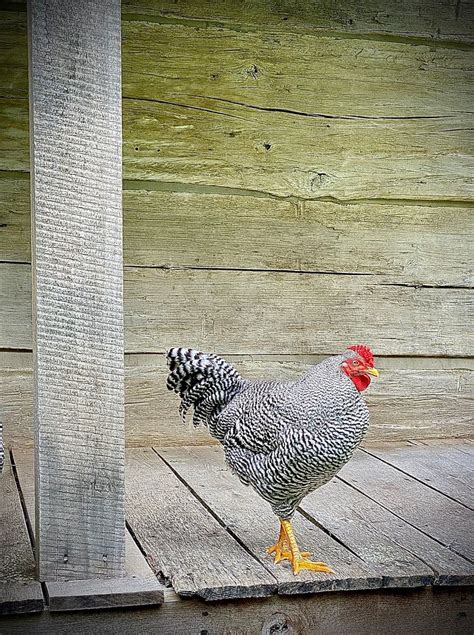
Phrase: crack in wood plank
pixel 316 115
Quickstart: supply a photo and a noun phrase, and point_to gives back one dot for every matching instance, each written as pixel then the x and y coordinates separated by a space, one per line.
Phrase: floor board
pixel 139 587
pixel 395 518
pixel 433 468
pixel 436 515
pixel 183 542
pixel 252 522
pixel 404 555
pixel 461 453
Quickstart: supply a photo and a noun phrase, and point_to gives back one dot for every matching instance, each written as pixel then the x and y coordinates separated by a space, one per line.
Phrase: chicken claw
pixel 297 558
pixel 302 563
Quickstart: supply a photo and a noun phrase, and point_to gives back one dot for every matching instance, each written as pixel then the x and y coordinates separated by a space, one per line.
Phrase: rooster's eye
pixel 355 362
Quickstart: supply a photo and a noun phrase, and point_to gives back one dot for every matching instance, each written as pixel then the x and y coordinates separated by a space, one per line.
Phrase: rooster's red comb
pixel 364 352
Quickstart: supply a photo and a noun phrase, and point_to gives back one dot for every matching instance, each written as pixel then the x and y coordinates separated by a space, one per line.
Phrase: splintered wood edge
pixel 80 595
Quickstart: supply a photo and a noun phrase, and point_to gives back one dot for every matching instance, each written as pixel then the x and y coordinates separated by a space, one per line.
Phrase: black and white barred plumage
pixel 204 381
pixel 284 438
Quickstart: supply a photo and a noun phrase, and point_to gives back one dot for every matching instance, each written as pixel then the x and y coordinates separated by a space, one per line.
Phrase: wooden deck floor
pixel 398 516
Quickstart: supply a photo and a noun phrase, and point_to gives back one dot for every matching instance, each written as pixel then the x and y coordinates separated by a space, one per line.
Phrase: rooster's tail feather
pixel 202 380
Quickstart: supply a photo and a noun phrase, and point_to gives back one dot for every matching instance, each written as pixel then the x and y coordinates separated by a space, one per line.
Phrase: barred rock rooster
pixel 285 439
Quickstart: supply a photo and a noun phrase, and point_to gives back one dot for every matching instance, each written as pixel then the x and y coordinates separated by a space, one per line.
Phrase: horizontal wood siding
pixel 359 119
pixel 401 243
pixel 415 399
pixel 307 157
pixel 436 20
pixel 296 179
pixel 245 312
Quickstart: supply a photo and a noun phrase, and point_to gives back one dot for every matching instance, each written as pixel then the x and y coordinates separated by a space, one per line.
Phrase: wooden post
pixel 75 128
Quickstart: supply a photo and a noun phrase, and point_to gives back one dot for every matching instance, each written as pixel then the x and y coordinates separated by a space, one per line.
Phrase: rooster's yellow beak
pixel 372 371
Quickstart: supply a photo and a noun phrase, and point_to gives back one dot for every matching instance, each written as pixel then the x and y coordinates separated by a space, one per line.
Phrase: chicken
pixel 285 439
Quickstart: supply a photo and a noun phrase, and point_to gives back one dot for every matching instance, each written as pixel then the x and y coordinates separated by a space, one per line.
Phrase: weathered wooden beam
pixel 437 20
pixel 78 595
pixel 405 110
pixel 75 128
pixel 436 611
pixel 249 232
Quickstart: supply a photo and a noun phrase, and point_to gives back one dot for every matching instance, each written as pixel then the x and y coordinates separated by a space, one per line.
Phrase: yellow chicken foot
pixel 297 558
pixel 280 548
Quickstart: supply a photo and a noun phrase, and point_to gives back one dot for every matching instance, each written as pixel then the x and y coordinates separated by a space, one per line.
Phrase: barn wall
pixel 294 181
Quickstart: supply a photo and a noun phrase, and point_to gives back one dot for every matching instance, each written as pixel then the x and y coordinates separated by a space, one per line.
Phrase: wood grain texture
pixel 245 232
pixel 414 398
pixel 14 142
pixel 461 445
pixel 15 219
pixel 237 99
pixel 309 157
pixel 77 280
pixel 434 514
pixel 297 150
pixel 197 230
pixel 19 592
pixel 387 131
pixel 433 611
pixel 438 20
pixel 418 159
pixel 251 520
pixel 79 595
pixel 13 54
pixel 182 541
pixel 384 540
pixel 434 468
pixel 302 74
pixel 457 451
pixel 231 311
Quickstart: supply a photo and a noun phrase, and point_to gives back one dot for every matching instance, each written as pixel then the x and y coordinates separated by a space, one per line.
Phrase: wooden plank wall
pixel 295 180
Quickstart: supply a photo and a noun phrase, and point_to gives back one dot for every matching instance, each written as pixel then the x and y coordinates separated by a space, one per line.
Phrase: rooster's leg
pixel 295 556
pixel 280 548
